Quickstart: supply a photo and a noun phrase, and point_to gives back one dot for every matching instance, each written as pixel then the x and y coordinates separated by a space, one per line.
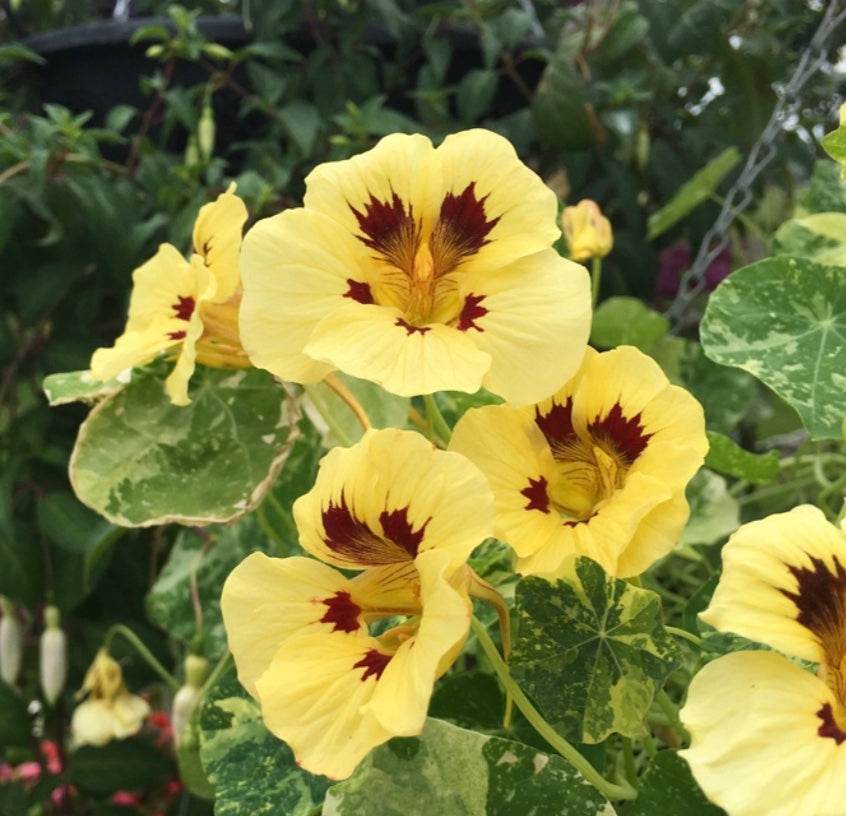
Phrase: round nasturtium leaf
pixel 140 461
pixel 783 320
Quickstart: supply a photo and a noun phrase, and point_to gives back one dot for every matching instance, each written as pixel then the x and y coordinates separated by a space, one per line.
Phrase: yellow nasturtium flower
pixel 768 737
pixel 421 269
pixel 188 309
pixel 405 516
pixel 599 469
pixel 587 230
pixel 110 712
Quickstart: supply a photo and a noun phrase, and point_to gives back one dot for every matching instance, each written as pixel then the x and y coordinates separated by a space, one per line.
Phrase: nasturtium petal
pixel 139 460
pixel 590 650
pixel 451 771
pixel 784 321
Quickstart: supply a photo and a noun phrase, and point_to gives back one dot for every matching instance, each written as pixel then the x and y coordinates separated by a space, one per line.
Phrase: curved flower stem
pixel 221 666
pixel 683 633
pixel 350 399
pixel 606 788
pixel 143 652
pixel 669 710
pixel 316 400
pixel 436 418
pixel 595 279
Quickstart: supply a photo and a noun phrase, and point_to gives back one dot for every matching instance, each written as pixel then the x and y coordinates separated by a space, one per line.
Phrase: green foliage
pixel 126 765
pixel 591 650
pixel 668 787
pixel 621 321
pixel 139 460
pixel 726 456
pixel 714 512
pixel 14 720
pixel 835 145
pixel 784 321
pixel 454 772
pixel 77 386
pixel 693 192
pixel 251 770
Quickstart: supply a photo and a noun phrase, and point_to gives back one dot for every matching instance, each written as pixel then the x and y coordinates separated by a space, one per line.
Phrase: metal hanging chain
pixel 762 153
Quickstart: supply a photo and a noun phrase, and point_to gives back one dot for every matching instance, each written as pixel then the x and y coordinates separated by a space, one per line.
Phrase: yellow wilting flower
pixel 599 469
pixel 587 230
pixel 768 738
pixel 420 269
pixel 110 712
pixel 188 309
pixel 408 516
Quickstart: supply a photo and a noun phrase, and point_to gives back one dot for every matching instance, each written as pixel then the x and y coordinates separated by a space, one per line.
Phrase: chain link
pixel 762 153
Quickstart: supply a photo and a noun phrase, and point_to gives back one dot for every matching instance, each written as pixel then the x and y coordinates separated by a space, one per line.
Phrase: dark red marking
pixel 177 335
pixel 342 612
pixel 462 228
pixel 353 541
pixel 358 291
pixel 820 599
pixel 184 308
pixel 471 311
pixel 397 528
pixel 625 435
pixel 557 426
pixel 374 662
pixel 829 727
pixel 389 230
pixel 409 329
pixel 536 494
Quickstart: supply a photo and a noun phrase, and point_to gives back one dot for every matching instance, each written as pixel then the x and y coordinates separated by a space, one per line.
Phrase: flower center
pixel 416 263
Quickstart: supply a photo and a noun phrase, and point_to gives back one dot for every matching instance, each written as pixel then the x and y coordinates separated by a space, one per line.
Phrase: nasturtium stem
pixel 221 666
pixel 340 434
pixel 595 279
pixel 436 418
pixel 608 789
pixel 143 652
pixel 669 710
pixel 683 633
pixel 350 399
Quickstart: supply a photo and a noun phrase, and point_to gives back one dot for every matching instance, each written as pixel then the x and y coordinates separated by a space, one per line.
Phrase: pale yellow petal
pixel 91 723
pixel 313 696
pixel 390 496
pixel 400 165
pixel 656 536
pixel 266 600
pixel 525 209
pixel 401 698
pixel 534 320
pixel 784 584
pixel 295 268
pixel 128 712
pixel 217 238
pixel 756 747
pixel 375 343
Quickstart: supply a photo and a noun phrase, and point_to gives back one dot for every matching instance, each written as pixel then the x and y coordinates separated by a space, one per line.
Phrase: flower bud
pixel 53 657
pixel 587 230
pixel 185 700
pixel 11 643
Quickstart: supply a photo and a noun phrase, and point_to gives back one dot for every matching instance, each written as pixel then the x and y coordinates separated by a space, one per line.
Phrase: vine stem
pixel 683 633
pixel 608 789
pixel 436 418
pixel 595 279
pixel 143 652
pixel 221 666
pixel 669 710
pixel 349 398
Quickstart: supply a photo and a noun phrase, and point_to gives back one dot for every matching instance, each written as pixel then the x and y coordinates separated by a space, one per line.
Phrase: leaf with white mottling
pixel 820 236
pixel 784 321
pixel 252 771
pixel 450 771
pixel 668 788
pixel 591 651
pixel 79 386
pixel 139 460
pixel 714 512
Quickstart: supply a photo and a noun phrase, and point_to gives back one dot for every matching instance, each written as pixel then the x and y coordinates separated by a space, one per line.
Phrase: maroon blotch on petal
pixel 358 291
pixel 624 434
pixel 471 311
pixel 536 493
pixel 342 612
pixel 374 663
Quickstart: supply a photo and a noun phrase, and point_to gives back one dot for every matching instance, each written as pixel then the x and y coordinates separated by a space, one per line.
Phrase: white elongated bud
pixel 53 650
pixel 11 643
pixel 185 700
